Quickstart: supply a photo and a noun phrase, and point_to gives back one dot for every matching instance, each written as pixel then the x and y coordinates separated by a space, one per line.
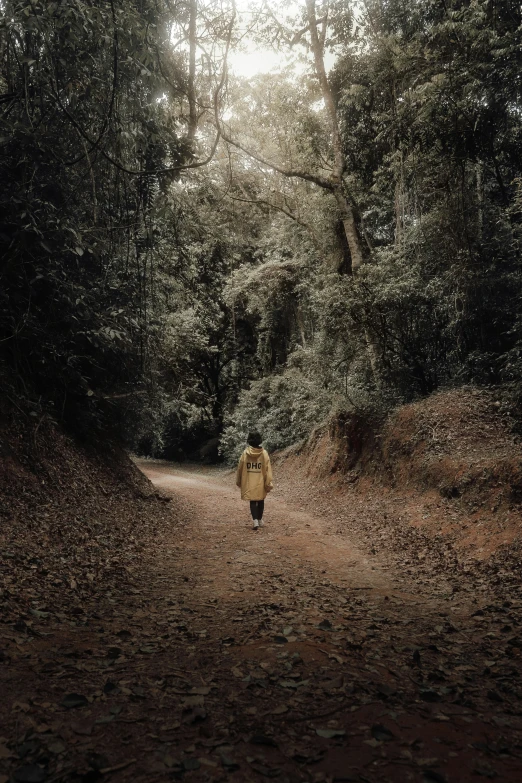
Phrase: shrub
pixel 284 408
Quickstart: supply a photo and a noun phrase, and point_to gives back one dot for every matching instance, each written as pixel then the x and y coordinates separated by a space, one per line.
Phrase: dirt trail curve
pixel 289 653
pixel 327 664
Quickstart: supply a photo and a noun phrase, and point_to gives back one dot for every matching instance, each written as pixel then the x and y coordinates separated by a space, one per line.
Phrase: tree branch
pixel 270 205
pixel 322 182
pixel 288 214
pixel 296 37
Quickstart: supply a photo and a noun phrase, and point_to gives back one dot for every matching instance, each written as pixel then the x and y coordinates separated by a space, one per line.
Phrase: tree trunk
pixel 350 230
pixel 479 184
pixel 353 236
pixel 300 325
pixel 400 206
pixel 191 91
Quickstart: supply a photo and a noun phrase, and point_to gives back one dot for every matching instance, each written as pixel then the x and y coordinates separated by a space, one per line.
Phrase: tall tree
pixel 86 131
pixel 332 177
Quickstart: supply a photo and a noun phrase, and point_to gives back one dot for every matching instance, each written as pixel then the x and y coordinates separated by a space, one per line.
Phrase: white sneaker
pixel 261 523
pixel 256 524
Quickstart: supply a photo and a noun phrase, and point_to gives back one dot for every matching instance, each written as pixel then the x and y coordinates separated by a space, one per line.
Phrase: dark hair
pixel 254 439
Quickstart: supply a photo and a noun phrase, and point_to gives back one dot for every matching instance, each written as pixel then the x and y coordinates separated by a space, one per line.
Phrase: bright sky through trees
pixel 253 58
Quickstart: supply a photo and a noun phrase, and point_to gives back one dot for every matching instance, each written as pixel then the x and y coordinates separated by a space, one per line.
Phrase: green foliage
pixel 405 317
pixel 202 349
pixel 430 117
pixel 432 129
pixel 80 110
pixel 165 303
pixel 284 408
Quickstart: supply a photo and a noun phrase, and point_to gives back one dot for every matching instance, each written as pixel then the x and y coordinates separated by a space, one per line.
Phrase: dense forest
pixel 188 251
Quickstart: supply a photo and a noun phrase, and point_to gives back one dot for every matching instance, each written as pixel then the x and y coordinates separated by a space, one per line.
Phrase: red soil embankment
pixel 73 517
pixel 452 460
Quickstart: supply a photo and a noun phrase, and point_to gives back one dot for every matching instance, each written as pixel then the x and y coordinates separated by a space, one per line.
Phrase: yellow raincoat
pixel 254 474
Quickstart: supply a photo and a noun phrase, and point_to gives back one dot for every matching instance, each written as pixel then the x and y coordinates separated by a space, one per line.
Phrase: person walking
pixel 254 477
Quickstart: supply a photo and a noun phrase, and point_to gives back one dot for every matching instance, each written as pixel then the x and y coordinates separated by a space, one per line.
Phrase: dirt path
pixel 376 659
pixel 286 653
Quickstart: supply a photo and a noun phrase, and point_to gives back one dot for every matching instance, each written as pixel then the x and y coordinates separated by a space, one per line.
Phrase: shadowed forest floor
pixel 294 652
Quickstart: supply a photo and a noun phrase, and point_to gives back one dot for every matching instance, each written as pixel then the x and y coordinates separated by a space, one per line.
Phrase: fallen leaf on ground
pixel 330 733
pixel 73 700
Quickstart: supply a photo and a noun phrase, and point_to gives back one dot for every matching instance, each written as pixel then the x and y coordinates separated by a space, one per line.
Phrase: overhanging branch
pixel 263 202
pixel 322 182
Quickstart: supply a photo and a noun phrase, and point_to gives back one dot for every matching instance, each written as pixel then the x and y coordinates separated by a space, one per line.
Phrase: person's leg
pixel 255 513
pixel 260 509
